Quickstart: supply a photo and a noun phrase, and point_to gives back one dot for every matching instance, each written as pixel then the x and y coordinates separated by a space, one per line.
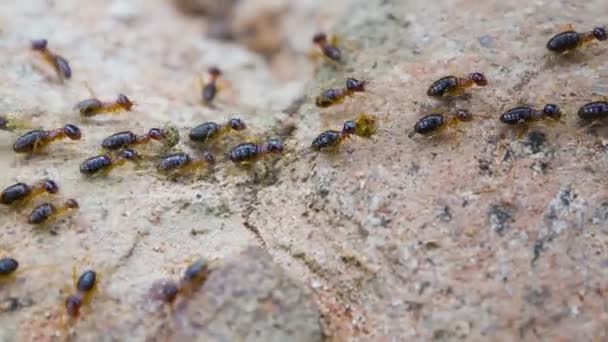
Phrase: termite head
pixel 72 131
pixel 552 111
pixel 463 115
pixel 129 154
pixel 319 38
pixel 479 79
pixel 39 44
pixel 349 127
pixel 71 203
pixel 237 124
pixel 353 84
pixel 274 146
pixel 164 290
pixel 156 134
pixel 124 101
pixel 214 72
pixel 600 33
pixel 50 186
pixel 208 157
pixel 73 304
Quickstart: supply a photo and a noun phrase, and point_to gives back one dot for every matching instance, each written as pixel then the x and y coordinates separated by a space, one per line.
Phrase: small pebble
pixel 486 41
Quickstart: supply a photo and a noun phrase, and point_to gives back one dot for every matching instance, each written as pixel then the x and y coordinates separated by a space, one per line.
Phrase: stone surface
pixel 212 8
pixel 476 234
pixel 248 299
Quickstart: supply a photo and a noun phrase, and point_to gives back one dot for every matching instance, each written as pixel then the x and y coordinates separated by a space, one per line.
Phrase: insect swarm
pixel 21 193
pixel 335 96
pixel 59 64
pixel 48 212
pixel 210 131
pixel 570 40
pixel 105 163
pixel 435 123
pixel 36 140
pixel 455 86
pixel 91 107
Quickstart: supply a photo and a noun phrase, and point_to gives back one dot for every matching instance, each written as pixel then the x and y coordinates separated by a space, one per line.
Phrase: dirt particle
pixel 535 141
pixel 430 245
pixel 195 232
pixel 484 167
pixel 601 213
pixel 500 218
pixel 401 22
pixel 486 41
pixel 294 106
pixel 538 248
pixel 440 334
pixel 205 7
pixel 537 297
pixel 567 196
pixel 413 306
pixel 11 304
pixel 445 215
pixel 323 189
pixel 413 169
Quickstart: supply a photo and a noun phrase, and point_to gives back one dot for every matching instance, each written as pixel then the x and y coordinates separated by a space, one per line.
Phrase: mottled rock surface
pixel 248 299
pixel 477 234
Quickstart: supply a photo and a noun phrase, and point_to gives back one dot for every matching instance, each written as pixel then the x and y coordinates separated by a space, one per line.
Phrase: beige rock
pixel 250 299
pixel 212 8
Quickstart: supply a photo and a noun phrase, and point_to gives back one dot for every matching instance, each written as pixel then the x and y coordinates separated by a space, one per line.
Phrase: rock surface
pixel 248 299
pixel 475 234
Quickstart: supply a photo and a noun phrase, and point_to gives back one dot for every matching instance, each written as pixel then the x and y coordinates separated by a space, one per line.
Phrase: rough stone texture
pixel 248 299
pixel 211 8
pixel 475 234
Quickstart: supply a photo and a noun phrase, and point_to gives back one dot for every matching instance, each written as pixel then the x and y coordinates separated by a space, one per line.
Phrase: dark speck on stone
pixel 13 304
pixel 538 248
pixel 601 213
pixel 445 215
pixel 486 41
pixel 500 219
pixel 567 196
pixel 537 296
pixel 535 141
